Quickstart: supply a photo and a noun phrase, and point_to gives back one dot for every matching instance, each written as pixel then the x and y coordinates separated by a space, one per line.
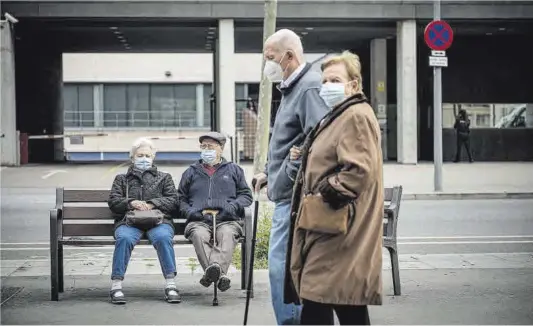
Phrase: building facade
pixel 171 70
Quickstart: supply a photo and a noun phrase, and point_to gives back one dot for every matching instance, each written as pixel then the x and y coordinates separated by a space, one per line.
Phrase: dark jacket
pixel 153 186
pixel 226 190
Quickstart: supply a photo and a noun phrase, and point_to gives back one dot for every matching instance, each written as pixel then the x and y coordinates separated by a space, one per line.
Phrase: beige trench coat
pixel 340 268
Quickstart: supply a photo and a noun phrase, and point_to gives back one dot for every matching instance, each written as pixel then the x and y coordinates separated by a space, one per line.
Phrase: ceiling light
pixel 123 40
pixel 120 37
pixel 210 32
pixel 117 32
pixel 212 28
pixel 210 37
pixel 309 28
pixel 501 28
pixel 113 27
pixel 488 33
pixel 304 33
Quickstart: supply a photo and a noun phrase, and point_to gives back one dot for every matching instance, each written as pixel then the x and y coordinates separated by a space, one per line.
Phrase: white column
pixel 529 115
pixel 407 92
pixel 8 141
pixel 226 78
pixel 98 106
pixel 200 105
pixel 378 79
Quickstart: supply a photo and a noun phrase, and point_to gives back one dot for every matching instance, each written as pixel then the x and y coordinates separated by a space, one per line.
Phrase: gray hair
pixel 142 143
pixel 286 40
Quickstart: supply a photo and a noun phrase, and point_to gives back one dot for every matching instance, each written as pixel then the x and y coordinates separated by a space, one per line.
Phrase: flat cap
pixel 216 136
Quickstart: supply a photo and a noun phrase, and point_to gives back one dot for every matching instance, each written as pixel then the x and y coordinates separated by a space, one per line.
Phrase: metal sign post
pixel 439 37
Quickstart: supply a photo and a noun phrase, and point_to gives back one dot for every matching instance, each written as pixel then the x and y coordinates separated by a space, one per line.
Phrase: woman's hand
pixel 295 153
pixel 141 205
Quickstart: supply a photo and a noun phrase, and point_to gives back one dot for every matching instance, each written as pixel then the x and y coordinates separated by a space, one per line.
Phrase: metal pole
pixel 437 114
pixel 265 94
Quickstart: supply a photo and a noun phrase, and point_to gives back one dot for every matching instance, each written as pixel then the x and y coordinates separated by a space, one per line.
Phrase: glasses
pixel 208 146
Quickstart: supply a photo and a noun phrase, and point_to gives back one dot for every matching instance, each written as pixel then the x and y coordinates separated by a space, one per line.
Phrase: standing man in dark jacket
pixel 462 129
pixel 214 188
pixel 301 108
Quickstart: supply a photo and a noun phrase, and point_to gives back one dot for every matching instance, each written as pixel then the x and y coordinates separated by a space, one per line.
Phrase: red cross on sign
pixel 438 35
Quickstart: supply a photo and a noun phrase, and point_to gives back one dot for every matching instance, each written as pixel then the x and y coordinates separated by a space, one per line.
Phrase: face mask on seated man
pixel 211 151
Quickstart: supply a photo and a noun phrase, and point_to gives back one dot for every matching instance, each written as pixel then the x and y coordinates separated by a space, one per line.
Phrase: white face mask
pixel 332 93
pixel 273 70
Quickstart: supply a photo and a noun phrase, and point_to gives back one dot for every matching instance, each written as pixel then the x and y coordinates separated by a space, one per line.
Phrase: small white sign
pixel 438 53
pixel 438 61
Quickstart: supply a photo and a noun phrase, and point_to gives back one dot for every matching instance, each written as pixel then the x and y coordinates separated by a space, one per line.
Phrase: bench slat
pixel 85 196
pixel 83 230
pixel 110 242
pixel 89 213
pixel 86 230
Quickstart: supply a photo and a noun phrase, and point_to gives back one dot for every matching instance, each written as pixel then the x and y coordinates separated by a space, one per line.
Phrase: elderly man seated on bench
pixel 213 194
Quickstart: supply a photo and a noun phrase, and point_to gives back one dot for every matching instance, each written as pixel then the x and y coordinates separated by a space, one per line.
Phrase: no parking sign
pixel 438 36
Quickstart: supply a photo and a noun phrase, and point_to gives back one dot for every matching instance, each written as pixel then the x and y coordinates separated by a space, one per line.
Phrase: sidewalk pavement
pixel 438 297
pixel 95 266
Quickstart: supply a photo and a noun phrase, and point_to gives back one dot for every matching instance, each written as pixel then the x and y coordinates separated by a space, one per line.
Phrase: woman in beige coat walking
pixel 334 259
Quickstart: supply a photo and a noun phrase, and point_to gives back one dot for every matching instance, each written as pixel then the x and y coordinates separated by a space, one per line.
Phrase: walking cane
pixel 214 214
pixel 252 256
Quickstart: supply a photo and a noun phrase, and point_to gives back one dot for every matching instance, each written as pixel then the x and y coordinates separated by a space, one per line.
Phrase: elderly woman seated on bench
pixel 141 189
pixel 213 194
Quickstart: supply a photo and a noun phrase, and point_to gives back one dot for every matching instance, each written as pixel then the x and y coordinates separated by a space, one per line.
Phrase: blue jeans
pixel 127 237
pixel 286 314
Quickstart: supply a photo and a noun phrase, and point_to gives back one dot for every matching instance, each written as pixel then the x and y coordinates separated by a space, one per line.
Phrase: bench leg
pixel 61 283
pixel 243 266
pixel 395 270
pixel 54 257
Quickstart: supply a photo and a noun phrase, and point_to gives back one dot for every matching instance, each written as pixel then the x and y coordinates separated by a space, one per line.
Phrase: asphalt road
pixel 425 227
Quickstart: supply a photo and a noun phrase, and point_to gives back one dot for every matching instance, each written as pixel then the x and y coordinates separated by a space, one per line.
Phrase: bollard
pixel 24 148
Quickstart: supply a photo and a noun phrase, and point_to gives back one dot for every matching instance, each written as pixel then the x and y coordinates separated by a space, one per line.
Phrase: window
pixel 150 105
pixel 78 105
pixel 483 120
pixel 115 106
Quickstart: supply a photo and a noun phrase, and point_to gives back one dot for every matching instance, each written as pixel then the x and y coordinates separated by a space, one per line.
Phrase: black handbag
pixel 143 220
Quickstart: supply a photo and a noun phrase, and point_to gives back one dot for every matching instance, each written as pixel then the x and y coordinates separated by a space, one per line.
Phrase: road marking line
pixel 467 237
pixel 67 247
pixel 399 238
pixel 463 242
pixel 51 173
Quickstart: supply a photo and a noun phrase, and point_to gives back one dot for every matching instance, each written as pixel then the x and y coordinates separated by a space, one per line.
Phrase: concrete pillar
pixel 225 90
pixel 529 115
pixel 378 79
pixel 407 123
pixel 8 141
pixel 55 86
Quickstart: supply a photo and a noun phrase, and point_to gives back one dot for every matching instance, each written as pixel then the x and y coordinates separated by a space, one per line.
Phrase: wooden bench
pixel 82 215
pixel 393 197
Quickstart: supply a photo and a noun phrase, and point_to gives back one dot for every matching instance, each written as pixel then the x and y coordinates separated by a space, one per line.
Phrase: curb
pixel 468 195
pixel 455 196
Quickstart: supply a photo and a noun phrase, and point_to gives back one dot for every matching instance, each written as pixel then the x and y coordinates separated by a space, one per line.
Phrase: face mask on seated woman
pixel 142 163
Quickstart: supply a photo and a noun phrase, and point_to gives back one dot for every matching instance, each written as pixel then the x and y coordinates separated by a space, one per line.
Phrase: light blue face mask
pixel 142 163
pixel 332 93
pixel 209 155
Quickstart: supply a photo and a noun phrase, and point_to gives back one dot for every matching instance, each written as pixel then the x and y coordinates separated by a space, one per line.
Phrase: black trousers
pixel 314 313
pixel 463 141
